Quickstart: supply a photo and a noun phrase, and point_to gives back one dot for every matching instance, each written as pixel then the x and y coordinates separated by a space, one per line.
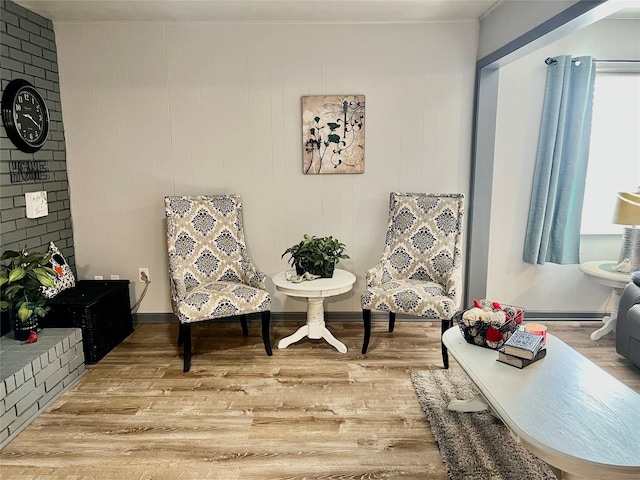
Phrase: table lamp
pixel 627 212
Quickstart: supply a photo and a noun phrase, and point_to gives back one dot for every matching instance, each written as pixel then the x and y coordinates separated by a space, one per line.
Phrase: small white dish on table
pixel 315 291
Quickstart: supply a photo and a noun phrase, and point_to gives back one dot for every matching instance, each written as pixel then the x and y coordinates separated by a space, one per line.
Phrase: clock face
pixel 25 115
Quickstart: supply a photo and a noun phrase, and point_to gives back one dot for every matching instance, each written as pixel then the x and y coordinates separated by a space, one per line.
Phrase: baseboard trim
pixel 543 316
pixel 548 316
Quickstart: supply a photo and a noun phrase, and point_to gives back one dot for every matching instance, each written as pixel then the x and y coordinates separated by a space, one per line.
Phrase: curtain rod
pixel 553 61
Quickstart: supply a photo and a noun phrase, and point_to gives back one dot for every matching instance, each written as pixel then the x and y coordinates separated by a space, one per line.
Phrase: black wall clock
pixel 25 115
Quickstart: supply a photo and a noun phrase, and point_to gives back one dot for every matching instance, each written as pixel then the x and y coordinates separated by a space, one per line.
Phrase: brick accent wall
pixel 28 51
pixel 33 375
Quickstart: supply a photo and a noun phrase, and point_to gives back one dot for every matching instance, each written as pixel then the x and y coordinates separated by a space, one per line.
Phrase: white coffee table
pixel 315 291
pixel 564 409
pixel 601 272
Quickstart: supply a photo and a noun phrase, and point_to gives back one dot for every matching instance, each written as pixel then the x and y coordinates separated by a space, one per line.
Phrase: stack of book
pixel 522 349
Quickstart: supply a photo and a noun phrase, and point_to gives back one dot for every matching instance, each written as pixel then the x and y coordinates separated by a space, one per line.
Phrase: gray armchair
pixel 628 323
pixel 210 272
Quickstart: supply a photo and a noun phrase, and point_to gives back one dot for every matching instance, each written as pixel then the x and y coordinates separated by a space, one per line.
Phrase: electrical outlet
pixel 98 277
pixel 115 277
pixel 143 275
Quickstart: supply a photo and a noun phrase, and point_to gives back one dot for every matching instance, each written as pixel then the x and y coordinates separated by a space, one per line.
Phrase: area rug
pixel 473 445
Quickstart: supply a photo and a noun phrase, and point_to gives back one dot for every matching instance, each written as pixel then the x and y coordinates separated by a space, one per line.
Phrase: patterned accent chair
pixel 420 272
pixel 211 275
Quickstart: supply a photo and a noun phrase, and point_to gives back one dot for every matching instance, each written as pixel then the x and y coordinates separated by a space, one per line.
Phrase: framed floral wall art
pixel 333 134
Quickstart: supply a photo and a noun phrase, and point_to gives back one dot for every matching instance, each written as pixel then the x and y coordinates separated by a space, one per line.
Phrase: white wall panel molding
pixel 154 109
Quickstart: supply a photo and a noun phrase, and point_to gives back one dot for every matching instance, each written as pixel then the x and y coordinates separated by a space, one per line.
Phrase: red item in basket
pixel 518 317
pixel 494 335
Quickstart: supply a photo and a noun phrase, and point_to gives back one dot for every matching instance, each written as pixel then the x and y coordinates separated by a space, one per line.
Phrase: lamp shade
pixel 627 210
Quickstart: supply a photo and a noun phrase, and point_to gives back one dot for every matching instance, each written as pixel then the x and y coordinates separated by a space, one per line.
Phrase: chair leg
pixel 245 328
pixel 180 334
pixel 392 321
pixel 266 337
pixel 445 354
pixel 185 334
pixel 366 318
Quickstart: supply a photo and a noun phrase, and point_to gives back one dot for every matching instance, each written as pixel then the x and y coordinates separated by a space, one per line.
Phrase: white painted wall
pixel 154 109
pixel 548 287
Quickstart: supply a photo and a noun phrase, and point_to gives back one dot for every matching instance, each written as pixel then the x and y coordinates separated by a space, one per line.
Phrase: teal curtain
pixel 553 227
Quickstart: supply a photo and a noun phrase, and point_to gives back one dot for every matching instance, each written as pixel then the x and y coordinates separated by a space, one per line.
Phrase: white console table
pixel 564 409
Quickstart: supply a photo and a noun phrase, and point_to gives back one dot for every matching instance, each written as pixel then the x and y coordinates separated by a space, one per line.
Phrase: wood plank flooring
pixel 307 412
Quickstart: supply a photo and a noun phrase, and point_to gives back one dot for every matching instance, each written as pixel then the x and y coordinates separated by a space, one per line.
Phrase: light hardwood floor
pixel 307 412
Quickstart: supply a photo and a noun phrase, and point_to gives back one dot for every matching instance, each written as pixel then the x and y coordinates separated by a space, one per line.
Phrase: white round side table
pixel 315 291
pixel 601 272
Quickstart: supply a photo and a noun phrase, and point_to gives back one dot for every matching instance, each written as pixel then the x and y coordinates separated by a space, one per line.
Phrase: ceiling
pixel 263 11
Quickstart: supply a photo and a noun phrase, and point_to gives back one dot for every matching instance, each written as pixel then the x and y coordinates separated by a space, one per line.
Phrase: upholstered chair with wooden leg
pixel 210 272
pixel 420 272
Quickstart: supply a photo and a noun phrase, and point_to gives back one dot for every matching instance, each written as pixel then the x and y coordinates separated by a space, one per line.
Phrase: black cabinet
pixel 100 308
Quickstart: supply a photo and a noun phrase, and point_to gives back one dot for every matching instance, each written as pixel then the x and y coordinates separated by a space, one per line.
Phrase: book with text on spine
pixel 523 344
pixel 518 361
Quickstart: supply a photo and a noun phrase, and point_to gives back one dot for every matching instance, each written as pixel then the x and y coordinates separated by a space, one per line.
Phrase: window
pixel 614 152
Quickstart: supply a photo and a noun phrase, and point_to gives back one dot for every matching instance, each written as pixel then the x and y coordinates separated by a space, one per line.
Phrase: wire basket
pixel 491 334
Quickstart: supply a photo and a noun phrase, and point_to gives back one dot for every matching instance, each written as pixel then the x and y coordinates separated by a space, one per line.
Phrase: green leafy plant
pixel 22 277
pixel 316 255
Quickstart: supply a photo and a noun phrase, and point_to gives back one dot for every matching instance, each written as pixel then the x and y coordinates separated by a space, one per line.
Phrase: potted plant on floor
pixel 316 255
pixel 22 276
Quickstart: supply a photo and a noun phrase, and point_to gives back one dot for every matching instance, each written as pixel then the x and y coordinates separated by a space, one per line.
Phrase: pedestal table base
pixel 315 327
pixel 609 320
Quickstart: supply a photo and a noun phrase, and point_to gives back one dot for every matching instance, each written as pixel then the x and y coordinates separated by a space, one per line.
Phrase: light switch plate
pixel 36 204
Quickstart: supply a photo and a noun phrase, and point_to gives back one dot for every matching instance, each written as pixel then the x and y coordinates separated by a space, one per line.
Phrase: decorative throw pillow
pixel 64 278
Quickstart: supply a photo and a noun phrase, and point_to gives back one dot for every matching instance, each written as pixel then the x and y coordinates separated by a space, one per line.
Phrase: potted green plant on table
pixel 316 255
pixel 22 276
